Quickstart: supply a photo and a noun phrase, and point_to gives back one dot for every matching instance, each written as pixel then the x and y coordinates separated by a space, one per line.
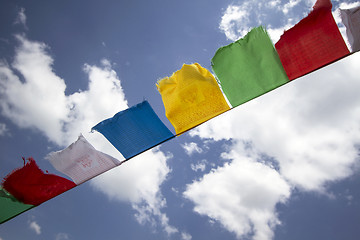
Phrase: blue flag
pixel 134 130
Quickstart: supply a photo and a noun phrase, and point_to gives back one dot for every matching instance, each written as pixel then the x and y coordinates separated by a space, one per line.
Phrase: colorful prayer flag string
pixel 245 70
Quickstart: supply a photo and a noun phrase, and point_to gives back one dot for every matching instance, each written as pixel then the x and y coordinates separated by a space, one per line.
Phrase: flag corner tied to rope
pixel 81 161
pixel 248 67
pixel 312 43
pixel 351 19
pixel 134 130
pixel 191 96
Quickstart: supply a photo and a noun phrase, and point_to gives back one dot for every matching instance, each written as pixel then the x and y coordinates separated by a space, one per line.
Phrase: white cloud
pixel 174 190
pixel 33 225
pixel 62 236
pixel 345 5
pixel 40 102
pixel 235 21
pixel 138 181
pixel 167 227
pixel 290 5
pixel 200 166
pixel 102 100
pixel 21 17
pixel 238 19
pixel 3 129
pixel 274 3
pixel 185 236
pixel 241 195
pixel 142 187
pixel 275 33
pixel 275 15
pixel 191 147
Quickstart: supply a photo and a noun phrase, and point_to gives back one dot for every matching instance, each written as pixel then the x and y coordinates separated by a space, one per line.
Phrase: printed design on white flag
pixel 87 162
pixel 81 161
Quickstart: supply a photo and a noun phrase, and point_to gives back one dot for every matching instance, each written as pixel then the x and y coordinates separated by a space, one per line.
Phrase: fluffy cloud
pixel 33 225
pixel 238 19
pixel 62 236
pixel 39 101
pixel 241 195
pixel 345 5
pixel 200 166
pixel 276 16
pixel 290 5
pixel 235 21
pixel 186 236
pixel 21 17
pixel 3 129
pixel 138 181
pixel 191 147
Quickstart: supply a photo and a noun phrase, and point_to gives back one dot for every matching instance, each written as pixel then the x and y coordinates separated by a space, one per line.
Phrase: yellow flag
pixel 191 96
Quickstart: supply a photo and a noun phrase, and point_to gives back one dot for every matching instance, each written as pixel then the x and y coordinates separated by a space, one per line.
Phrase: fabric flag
pixel 134 130
pixel 191 96
pixel 312 43
pixel 248 67
pixel 30 185
pixel 81 161
pixel 10 207
pixel 351 20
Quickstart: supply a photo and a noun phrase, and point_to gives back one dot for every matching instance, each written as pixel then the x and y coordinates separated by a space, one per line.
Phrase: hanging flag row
pixel 244 69
pixel 131 131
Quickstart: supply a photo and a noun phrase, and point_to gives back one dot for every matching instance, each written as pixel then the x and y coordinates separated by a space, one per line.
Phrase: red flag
pixel 31 185
pixel 312 43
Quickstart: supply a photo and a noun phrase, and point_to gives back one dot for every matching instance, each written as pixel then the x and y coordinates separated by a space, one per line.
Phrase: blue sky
pixel 283 166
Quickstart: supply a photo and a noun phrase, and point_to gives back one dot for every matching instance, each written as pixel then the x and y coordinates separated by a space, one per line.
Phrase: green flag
pixel 248 67
pixel 10 206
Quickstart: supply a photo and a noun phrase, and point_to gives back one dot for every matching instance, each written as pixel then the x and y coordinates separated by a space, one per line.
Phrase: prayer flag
pixel 10 207
pixel 134 130
pixel 191 96
pixel 248 67
pixel 312 43
pixel 351 19
pixel 30 185
pixel 81 161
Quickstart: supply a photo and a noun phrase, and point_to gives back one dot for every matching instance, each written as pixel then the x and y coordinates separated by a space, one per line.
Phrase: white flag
pixel 81 161
pixel 351 19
